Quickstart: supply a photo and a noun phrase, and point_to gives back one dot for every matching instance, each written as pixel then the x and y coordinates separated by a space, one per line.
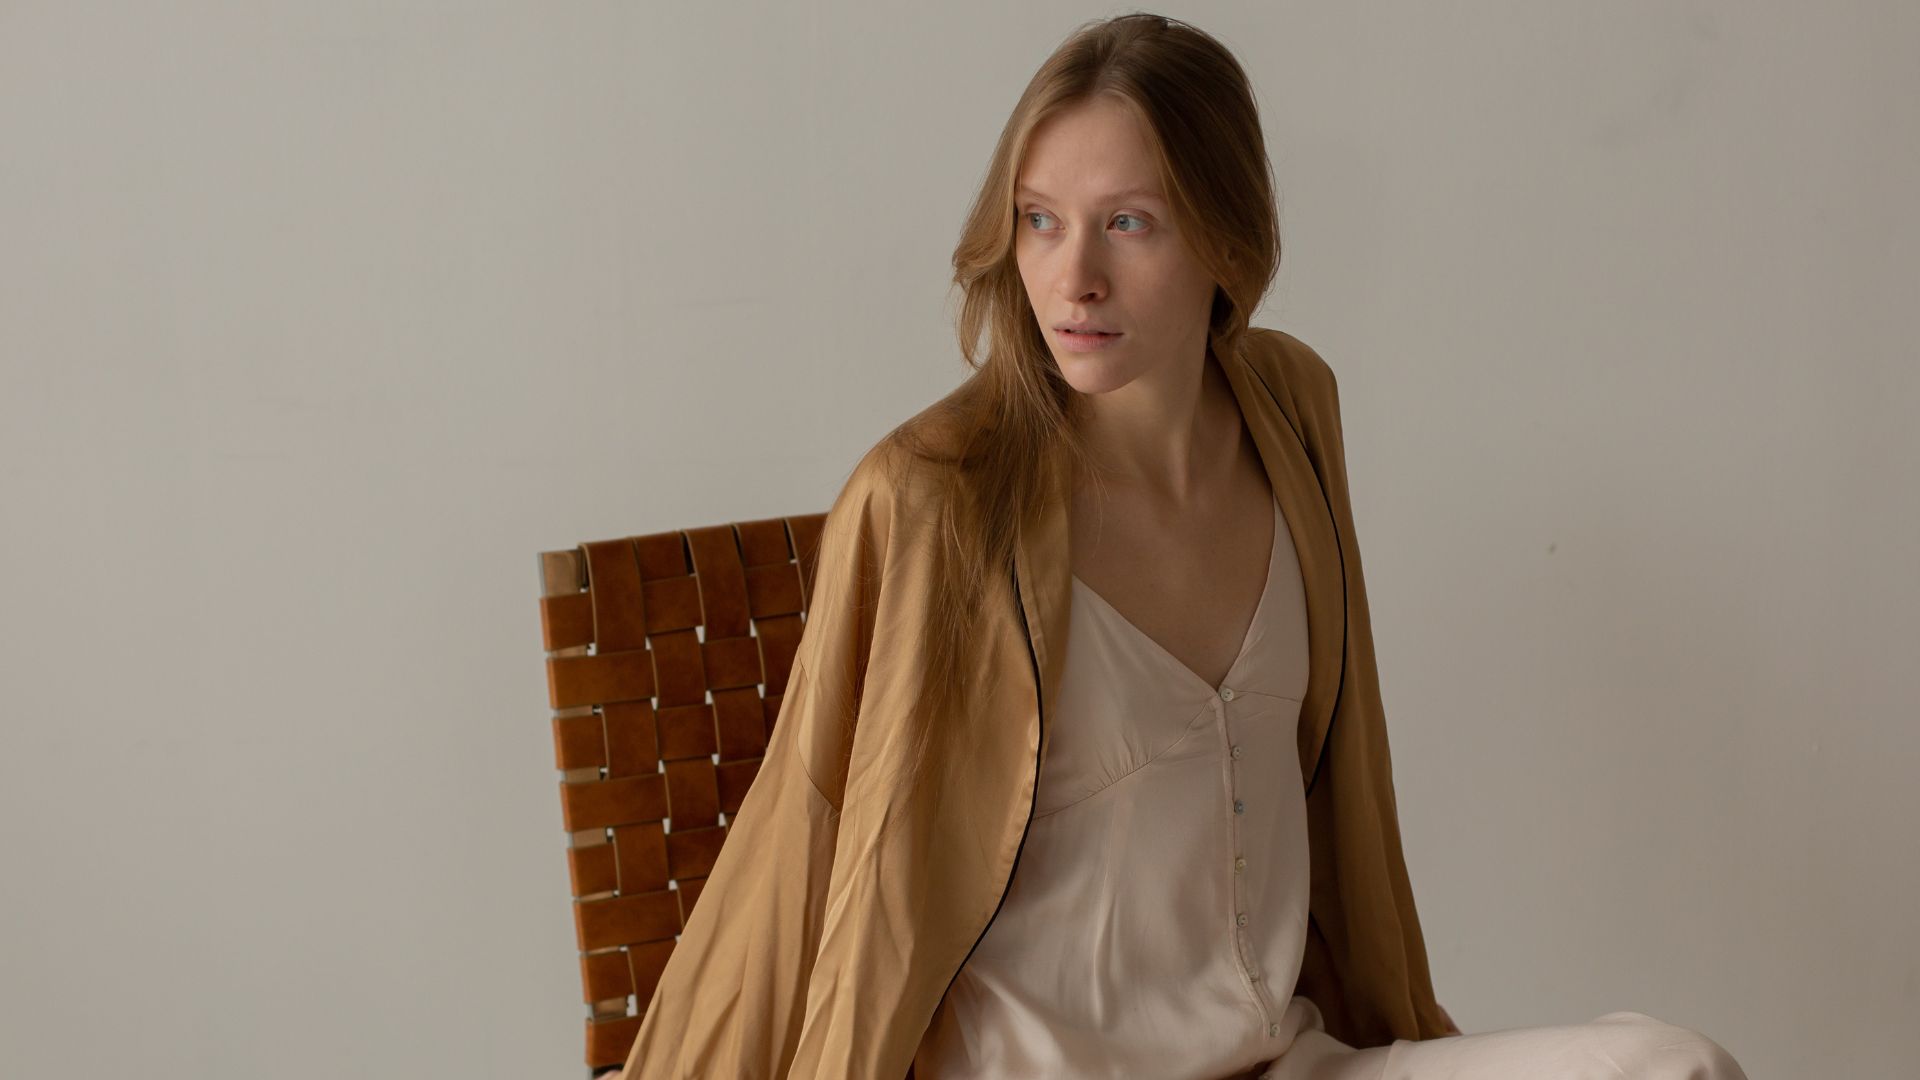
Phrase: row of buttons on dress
pixel 1240 861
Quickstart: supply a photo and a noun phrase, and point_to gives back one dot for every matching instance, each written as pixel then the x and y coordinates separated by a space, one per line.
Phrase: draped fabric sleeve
pixel 732 997
pixel 1366 962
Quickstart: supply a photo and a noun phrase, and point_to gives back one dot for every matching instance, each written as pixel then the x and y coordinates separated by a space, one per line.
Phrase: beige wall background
pixel 319 321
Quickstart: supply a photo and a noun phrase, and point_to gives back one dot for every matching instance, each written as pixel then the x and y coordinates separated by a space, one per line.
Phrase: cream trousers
pixel 1612 1047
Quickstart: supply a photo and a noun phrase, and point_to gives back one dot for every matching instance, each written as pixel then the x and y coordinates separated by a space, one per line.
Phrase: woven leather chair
pixel 666 658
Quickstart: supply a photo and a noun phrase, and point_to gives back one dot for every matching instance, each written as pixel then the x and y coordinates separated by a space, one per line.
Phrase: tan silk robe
pixel 843 902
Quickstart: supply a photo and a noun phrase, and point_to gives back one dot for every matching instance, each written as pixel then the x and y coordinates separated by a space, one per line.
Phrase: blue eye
pixel 1031 214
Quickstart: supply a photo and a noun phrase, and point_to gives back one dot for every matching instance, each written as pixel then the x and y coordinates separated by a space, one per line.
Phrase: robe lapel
pixel 1042 565
pixel 1041 560
pixel 1309 516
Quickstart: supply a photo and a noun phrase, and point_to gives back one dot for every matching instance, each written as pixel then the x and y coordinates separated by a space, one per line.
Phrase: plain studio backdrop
pixel 320 321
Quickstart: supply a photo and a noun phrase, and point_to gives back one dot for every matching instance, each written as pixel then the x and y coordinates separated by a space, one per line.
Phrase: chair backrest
pixel 666 658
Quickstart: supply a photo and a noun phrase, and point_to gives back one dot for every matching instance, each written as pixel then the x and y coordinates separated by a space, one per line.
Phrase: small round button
pixel 1239 865
pixel 1241 919
pixel 1239 807
pixel 1273 1029
pixel 1226 693
pixel 1254 977
pixel 1239 753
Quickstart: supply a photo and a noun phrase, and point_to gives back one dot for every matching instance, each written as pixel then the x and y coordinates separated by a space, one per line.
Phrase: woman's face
pixel 1095 242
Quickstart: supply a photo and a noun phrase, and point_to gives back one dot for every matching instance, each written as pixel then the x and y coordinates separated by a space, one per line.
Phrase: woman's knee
pixel 1673 1052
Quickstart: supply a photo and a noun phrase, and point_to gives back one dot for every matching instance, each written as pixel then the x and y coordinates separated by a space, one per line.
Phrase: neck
pixel 1168 434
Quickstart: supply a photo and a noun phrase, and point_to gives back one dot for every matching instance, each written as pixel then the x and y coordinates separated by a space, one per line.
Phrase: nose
pixel 1082 273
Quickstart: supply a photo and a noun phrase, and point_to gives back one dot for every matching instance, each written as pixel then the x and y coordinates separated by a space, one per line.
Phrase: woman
pixel 1081 769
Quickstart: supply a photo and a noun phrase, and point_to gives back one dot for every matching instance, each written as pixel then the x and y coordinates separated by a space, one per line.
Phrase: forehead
pixel 1122 195
pixel 1097 152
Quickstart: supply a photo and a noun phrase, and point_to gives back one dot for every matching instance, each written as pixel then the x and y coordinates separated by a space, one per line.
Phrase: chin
pixel 1094 375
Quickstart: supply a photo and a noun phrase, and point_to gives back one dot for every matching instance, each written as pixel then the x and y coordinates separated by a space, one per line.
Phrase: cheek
pixel 1029 280
pixel 1173 283
pixel 1023 258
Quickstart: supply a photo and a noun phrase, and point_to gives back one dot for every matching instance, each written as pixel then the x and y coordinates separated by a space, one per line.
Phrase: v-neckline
pixel 1246 637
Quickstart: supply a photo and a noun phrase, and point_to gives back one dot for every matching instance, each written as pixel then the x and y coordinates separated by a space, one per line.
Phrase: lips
pixel 1084 326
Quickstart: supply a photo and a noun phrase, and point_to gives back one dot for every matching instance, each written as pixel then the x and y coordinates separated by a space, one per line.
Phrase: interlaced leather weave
pixel 667 655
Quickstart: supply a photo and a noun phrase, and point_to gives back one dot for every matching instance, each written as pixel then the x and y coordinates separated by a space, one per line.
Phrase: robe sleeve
pixel 731 999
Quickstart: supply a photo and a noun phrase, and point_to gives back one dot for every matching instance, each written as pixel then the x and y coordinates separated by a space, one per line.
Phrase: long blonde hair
pixel 994 433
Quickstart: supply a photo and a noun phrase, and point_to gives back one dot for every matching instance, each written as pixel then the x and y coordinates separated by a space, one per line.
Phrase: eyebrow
pixel 1023 190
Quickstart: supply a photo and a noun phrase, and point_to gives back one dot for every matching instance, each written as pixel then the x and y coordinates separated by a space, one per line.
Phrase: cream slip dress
pixel 1157 919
